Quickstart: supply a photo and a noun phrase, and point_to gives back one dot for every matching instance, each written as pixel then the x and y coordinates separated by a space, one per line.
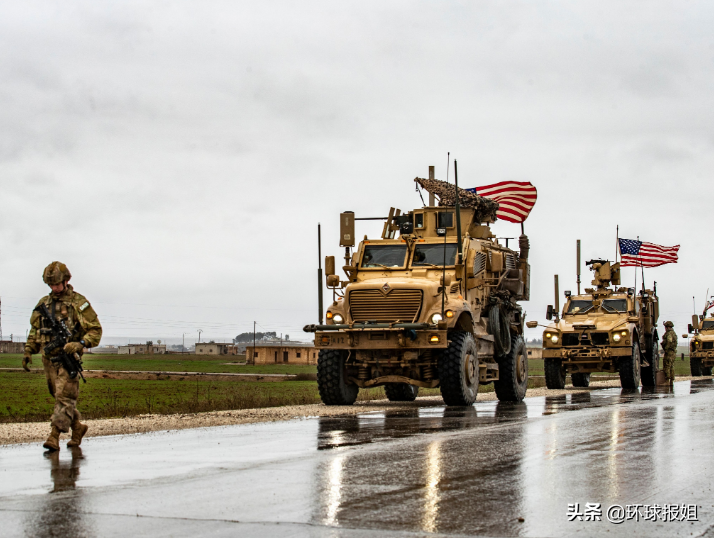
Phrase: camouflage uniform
pixel 669 344
pixel 86 330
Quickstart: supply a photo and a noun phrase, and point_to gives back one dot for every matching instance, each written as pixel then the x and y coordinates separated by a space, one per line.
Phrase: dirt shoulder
pixel 29 432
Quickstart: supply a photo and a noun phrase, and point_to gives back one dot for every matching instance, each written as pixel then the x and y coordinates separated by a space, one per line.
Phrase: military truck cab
pixel 606 329
pixel 432 303
pixel 701 346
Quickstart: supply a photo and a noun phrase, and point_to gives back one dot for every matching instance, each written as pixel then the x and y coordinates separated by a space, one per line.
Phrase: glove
pixel 27 359
pixel 73 347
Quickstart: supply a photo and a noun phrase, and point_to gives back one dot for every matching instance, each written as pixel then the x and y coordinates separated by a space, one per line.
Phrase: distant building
pixel 216 348
pixel 535 352
pixel 281 353
pixel 149 348
pixel 6 346
pixel 104 350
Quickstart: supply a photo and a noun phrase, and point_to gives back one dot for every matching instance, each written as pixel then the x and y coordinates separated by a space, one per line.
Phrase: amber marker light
pixel 434 339
pixel 328 315
pixel 449 313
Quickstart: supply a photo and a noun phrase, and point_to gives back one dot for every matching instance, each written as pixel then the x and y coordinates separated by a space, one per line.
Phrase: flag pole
pixel 617 242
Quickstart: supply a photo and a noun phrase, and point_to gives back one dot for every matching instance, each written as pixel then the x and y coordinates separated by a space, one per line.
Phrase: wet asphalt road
pixel 430 470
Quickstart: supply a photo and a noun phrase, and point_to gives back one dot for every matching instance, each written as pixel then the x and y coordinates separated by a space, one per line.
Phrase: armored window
pixel 578 306
pixel 434 254
pixel 618 305
pixel 707 324
pixel 384 256
pixel 445 220
pixel 419 220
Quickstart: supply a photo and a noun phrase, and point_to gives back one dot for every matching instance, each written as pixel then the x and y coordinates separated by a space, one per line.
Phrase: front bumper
pixel 380 338
pixel 586 354
pixel 707 357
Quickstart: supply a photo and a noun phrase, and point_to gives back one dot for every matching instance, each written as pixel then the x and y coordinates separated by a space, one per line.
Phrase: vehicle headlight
pixel 616 337
pixel 436 318
pixel 337 318
pixel 554 338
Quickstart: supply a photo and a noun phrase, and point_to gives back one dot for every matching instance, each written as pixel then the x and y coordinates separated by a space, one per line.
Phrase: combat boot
pixel 78 431
pixel 52 442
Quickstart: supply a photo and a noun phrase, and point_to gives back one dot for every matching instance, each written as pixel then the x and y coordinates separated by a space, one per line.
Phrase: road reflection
pixel 60 512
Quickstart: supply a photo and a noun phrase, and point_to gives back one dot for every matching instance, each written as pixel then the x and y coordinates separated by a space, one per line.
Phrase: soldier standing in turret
pixel 63 304
pixel 669 344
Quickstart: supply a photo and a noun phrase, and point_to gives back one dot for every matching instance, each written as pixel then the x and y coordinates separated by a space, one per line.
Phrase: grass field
pixel 167 363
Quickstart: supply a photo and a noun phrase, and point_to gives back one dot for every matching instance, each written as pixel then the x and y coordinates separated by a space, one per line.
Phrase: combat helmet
pixel 56 273
pixel 668 324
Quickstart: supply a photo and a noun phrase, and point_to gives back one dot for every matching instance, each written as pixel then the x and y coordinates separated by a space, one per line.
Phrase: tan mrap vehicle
pixel 433 307
pixel 701 347
pixel 604 330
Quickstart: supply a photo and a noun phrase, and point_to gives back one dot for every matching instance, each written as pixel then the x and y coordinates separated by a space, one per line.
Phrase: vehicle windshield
pixel 385 256
pixel 425 255
pixel 579 306
pixel 707 324
pixel 615 305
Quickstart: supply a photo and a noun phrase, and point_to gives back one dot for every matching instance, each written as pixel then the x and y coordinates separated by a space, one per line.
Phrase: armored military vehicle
pixel 434 306
pixel 606 329
pixel 701 346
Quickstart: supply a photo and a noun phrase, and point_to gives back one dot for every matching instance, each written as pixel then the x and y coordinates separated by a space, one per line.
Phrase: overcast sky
pixel 177 156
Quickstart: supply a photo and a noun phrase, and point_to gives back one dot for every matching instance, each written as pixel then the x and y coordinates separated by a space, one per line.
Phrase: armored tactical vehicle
pixel 606 329
pixel 434 306
pixel 701 346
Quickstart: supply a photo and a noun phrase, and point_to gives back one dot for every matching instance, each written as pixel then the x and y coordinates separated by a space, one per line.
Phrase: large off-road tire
pixel 580 379
pixel 499 328
pixel 401 392
pixel 513 372
pixel 630 369
pixel 458 370
pixel 706 370
pixel 554 373
pixel 695 365
pixel 331 381
pixel 649 373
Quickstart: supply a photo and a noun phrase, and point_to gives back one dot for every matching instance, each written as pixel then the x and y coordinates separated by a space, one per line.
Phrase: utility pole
pixel 254 342
pixel 183 343
pixel 199 335
pixel 0 319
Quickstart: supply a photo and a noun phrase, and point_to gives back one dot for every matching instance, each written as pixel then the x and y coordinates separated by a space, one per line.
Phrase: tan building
pixel 285 353
pixel 6 346
pixel 149 348
pixel 216 348
pixel 535 352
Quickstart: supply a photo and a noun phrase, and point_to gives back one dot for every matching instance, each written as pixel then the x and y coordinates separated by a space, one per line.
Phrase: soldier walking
pixel 669 344
pixel 64 304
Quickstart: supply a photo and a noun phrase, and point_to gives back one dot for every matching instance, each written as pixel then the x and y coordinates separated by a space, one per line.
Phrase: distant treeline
pixel 248 337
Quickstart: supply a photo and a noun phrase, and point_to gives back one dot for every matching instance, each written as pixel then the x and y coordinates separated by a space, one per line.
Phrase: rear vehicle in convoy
pixel 701 346
pixel 434 306
pixel 606 329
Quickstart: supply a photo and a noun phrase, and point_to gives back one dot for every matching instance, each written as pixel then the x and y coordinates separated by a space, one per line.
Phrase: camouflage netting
pixel 485 208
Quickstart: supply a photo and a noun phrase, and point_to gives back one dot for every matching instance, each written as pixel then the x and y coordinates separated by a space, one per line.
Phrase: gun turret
pixel 604 273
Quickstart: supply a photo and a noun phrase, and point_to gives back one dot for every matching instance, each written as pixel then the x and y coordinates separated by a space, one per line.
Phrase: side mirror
pixel 531 324
pixel 549 312
pixel 695 322
pixel 690 329
pixel 446 280
pixel 567 293
pixel 333 281
pixel 329 265
pixel 684 336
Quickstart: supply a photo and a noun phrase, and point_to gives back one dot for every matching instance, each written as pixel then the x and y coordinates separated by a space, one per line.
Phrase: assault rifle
pixel 61 335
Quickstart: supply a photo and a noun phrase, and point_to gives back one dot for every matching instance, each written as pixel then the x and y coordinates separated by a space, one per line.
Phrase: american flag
pixel 515 198
pixel 637 253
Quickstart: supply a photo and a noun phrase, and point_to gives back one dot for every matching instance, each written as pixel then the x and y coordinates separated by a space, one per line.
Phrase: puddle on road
pixel 337 432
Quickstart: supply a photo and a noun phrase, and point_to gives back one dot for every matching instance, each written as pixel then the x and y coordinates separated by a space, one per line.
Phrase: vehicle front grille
pixel 707 345
pixel 373 305
pixel 600 339
pixel 571 339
